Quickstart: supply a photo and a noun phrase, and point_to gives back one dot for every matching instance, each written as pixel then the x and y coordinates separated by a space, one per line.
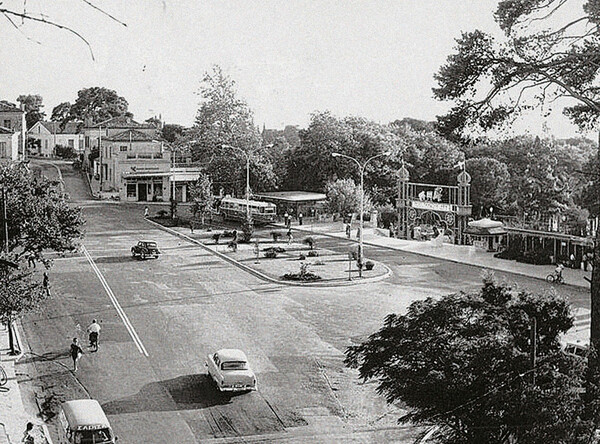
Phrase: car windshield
pixel 234 365
pixel 92 436
pixel 151 244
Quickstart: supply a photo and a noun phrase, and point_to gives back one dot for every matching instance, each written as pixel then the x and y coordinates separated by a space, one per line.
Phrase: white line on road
pixel 115 302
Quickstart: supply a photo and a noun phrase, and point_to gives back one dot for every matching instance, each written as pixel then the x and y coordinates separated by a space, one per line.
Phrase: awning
pixel 485 223
pixel 477 231
pixel 138 175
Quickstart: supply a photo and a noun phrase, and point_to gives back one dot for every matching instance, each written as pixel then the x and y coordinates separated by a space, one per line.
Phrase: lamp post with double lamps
pixel 361 168
pixel 247 177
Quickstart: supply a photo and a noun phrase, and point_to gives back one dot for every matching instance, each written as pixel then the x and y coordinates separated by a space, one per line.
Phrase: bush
pixel 302 257
pixel 275 249
pixel 313 253
pixel 369 265
pixel 77 164
pixel 216 237
pixel 310 241
pixel 271 254
pixel 232 245
pixel 162 213
pixel 304 275
pixel 65 152
pixel 276 235
pixel 247 231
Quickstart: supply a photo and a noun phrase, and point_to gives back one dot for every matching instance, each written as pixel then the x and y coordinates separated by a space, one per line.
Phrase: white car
pixel 230 370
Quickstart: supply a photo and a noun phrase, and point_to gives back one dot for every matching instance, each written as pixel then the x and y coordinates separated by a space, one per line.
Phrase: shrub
pixel 302 257
pixel 162 213
pixel 276 235
pixel 369 265
pixel 313 253
pixel 275 249
pixel 216 237
pixel 304 275
pixel 310 241
pixel 271 254
pixel 227 233
pixel 247 230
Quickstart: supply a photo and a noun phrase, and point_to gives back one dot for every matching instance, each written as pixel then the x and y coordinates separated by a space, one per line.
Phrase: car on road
pixel 144 249
pixel 84 421
pixel 230 370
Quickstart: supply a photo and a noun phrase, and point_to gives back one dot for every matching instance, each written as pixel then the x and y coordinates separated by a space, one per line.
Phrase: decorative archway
pixel 446 207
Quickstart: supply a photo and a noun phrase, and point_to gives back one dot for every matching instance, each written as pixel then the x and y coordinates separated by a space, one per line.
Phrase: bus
pixel 232 208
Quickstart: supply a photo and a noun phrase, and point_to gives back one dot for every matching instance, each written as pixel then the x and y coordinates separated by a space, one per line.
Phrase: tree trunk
pixel 593 376
pixel 11 338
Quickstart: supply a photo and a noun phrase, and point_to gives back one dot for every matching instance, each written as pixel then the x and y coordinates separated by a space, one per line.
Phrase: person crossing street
pixel 94 333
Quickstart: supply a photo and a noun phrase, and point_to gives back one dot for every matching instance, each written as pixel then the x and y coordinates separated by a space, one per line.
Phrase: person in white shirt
pixel 94 331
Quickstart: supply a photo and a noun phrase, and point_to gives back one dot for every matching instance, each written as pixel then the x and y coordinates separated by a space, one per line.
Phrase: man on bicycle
pixel 558 270
pixel 94 331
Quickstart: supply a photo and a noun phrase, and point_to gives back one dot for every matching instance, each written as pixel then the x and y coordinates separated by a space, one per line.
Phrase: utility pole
pixel 100 153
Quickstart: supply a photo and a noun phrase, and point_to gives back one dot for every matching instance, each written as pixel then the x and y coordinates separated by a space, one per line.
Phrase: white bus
pixel 232 208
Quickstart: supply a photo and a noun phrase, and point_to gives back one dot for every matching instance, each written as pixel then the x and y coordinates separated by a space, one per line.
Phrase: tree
pixel 462 362
pixel 171 132
pixel 98 104
pixel 543 56
pixel 277 154
pixel 32 104
pixel 343 197
pixel 61 113
pixel 225 119
pixel 38 220
pixel 202 196
pixel 154 121
pixel 490 183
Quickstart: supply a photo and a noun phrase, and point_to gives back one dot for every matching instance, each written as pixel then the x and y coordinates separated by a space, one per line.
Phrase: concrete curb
pixel 519 273
pixel 264 277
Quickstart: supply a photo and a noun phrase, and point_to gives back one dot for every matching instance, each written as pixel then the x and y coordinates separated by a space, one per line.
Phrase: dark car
pixel 145 249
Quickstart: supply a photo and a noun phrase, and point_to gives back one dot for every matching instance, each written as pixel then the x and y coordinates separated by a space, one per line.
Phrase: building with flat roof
pixel 296 202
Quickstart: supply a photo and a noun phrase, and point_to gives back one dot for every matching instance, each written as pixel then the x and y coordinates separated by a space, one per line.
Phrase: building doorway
pixel 142 192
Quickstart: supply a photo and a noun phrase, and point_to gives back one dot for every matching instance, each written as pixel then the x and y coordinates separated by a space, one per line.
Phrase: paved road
pixel 161 317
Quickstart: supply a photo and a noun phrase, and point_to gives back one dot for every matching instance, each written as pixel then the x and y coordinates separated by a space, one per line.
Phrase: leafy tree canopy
pixel 61 113
pixel 225 119
pixel 33 104
pixel 490 184
pixel 202 196
pixel 550 50
pixel 171 132
pixel 98 104
pixel 462 362
pixel 343 197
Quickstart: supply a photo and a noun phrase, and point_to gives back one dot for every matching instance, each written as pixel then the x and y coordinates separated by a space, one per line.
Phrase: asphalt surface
pixel 161 317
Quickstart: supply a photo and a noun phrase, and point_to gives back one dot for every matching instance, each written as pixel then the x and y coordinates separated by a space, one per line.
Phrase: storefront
pixel 145 187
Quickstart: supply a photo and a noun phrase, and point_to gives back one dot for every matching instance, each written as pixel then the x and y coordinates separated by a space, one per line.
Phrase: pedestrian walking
pixel 348 231
pixel 572 260
pixel 290 236
pixel 75 352
pixel 28 437
pixel 358 233
pixel 191 227
pixel 146 211
pixel 31 260
pixel 285 219
pixel 94 333
pixel 585 261
pixel 46 284
pixel 300 215
pixel 234 236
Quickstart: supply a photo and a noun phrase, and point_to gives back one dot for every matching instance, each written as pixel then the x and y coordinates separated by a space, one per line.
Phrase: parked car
pixel 230 370
pixel 144 249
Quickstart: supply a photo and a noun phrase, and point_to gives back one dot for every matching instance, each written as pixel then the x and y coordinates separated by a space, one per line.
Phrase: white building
pixel 51 134
pixel 9 144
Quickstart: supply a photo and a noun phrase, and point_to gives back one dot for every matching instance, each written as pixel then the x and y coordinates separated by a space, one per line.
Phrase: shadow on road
pixel 182 393
pixel 114 259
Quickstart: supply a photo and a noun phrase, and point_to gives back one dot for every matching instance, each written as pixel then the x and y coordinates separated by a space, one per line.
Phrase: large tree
pixel 463 362
pixel 202 196
pixel 38 220
pixel 224 136
pixel 32 104
pixel 343 197
pixel 550 51
pixel 490 184
pixel 98 104
pixel 61 112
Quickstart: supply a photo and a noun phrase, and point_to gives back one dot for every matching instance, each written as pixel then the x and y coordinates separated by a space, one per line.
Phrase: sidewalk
pixel 464 254
pixel 13 416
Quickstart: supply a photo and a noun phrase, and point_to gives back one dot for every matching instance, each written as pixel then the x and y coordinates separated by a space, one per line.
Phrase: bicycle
pixel 3 377
pixel 554 278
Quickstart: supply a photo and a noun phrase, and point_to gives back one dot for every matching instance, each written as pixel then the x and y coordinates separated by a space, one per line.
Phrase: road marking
pixel 115 302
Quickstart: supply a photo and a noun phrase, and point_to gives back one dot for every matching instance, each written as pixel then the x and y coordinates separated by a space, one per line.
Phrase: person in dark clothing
pixel 75 352
pixel 300 215
pixel 31 260
pixel 46 284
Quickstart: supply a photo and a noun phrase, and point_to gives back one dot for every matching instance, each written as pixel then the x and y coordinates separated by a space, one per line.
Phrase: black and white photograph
pixel 300 221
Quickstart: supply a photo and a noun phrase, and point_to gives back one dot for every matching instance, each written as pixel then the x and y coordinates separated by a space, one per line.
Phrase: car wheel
pixel 143 256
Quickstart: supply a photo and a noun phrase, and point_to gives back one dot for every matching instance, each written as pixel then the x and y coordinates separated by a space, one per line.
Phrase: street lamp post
pixel 362 200
pixel 247 177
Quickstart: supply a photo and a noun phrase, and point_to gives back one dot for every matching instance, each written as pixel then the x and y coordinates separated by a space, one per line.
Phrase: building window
pixel 7 124
pixel 131 190
pixel 71 143
pixel 3 149
pixel 87 141
pixel 123 148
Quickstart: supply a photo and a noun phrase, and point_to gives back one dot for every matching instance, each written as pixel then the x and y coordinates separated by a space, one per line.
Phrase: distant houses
pixel 53 134
pixel 12 132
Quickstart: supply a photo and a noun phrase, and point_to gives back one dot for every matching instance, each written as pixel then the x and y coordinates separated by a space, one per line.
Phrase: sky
pixel 289 58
